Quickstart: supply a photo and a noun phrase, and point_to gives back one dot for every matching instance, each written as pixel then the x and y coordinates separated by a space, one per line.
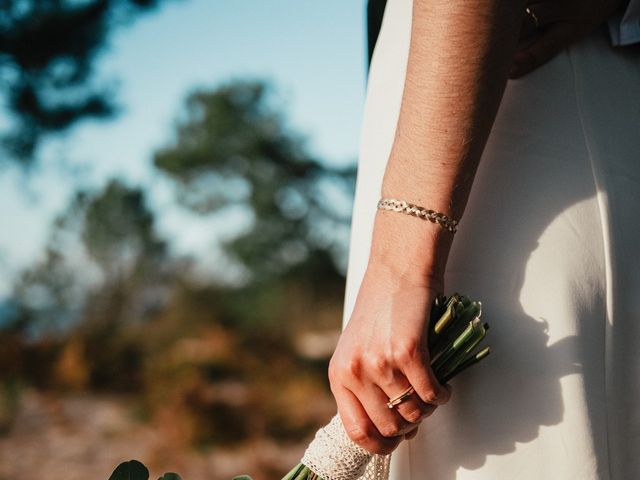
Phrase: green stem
pixel 472 360
pixel 292 475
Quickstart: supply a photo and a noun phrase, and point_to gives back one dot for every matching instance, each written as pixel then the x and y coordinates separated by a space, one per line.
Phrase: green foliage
pixel 118 230
pixel 9 402
pixel 48 51
pixel 131 470
pixel 234 149
pixel 134 470
pixel 202 360
pixel 455 332
pixel 170 476
pixel 102 248
pixel 43 296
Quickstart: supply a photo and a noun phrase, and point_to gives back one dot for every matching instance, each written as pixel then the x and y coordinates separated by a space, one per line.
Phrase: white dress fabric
pixel 550 242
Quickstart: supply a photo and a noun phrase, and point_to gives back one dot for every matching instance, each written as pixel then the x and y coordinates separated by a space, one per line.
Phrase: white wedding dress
pixel 550 242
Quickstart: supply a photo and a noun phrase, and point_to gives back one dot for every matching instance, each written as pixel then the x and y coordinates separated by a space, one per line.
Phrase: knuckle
pixel 390 429
pixel 359 433
pixel 415 415
pixel 378 364
pixel 344 368
pixel 428 392
pixel 404 352
pixel 353 367
pixel 431 396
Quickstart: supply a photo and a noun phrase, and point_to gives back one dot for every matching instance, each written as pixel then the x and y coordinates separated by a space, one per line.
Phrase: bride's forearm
pixel 457 69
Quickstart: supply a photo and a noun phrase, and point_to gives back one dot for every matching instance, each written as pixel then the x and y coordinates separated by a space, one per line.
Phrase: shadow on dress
pixel 533 215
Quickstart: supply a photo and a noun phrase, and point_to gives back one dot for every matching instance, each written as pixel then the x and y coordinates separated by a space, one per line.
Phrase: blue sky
pixel 312 52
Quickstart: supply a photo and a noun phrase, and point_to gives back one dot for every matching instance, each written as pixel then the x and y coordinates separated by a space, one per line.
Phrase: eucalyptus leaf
pixel 170 476
pixel 131 470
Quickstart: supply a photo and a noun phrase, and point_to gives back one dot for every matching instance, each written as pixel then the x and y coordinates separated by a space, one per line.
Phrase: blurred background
pixel 176 179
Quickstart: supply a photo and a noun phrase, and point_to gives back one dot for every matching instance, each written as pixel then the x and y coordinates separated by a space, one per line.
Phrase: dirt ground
pixel 81 437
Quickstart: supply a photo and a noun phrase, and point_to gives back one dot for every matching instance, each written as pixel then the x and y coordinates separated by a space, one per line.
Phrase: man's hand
pixel 551 25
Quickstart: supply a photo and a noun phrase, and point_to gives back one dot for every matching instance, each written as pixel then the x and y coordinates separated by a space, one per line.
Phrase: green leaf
pixel 242 477
pixel 131 470
pixel 170 476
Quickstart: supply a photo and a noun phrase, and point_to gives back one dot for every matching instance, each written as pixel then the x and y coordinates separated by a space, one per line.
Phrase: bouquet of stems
pixel 455 334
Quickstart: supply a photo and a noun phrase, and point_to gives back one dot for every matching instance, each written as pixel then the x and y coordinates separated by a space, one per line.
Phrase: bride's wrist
pixel 412 249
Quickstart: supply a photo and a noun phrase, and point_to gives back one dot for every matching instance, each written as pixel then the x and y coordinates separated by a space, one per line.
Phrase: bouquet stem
pixel 455 330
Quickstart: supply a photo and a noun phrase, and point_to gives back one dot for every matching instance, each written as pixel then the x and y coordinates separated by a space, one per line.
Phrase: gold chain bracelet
pixel 441 219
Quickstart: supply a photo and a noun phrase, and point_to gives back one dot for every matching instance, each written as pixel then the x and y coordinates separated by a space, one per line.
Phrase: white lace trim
pixel 333 456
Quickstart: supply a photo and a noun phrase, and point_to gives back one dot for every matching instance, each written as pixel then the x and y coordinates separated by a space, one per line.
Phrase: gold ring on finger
pixel 397 400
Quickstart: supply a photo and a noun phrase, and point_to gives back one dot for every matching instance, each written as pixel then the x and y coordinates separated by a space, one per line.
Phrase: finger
pixel 412 409
pixel 424 381
pixel 359 427
pixel 386 420
pixel 548 44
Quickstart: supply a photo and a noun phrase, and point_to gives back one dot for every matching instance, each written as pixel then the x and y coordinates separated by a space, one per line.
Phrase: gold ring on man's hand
pixel 533 15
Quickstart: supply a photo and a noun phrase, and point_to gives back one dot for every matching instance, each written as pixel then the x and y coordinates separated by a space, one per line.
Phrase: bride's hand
pixel 382 351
